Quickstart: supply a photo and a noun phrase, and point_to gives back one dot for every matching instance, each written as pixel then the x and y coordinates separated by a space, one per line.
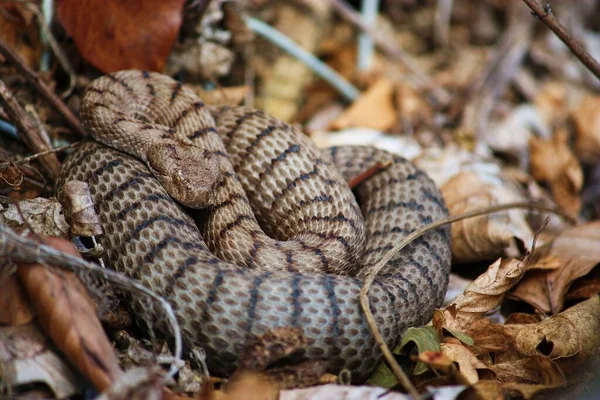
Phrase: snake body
pixel 284 241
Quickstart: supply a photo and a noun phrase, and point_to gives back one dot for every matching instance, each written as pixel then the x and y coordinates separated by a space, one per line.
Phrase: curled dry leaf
pixel 79 209
pixel 483 295
pixel 586 118
pixel 373 109
pixel 569 338
pixel 533 370
pixel 487 236
pixel 65 311
pixel 571 255
pixel 27 358
pixel 114 35
pixel 553 162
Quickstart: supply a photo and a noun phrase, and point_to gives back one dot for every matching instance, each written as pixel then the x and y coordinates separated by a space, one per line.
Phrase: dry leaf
pixel 20 32
pixel 533 370
pixel 577 250
pixel 553 162
pixel 569 338
pixel 44 216
pixel 468 363
pixel 27 358
pixel 114 35
pixel 373 109
pixel 14 306
pixel 483 295
pixel 65 311
pixel 587 129
pixel 489 337
pixel 487 236
pixel 79 209
pixel 586 287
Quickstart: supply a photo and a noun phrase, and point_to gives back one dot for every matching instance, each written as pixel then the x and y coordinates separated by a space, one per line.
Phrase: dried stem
pixel 547 17
pixel 44 90
pixel 364 299
pixel 29 131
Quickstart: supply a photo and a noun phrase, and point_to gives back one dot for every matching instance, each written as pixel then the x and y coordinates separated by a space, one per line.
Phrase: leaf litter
pixel 492 116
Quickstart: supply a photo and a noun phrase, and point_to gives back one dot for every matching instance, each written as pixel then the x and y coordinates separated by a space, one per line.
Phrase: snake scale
pixel 283 241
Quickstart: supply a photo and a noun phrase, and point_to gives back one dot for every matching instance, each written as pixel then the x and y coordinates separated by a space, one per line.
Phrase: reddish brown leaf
pixel 114 35
pixel 67 314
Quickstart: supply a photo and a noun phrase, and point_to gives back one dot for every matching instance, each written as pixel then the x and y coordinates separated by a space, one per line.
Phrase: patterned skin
pixel 284 243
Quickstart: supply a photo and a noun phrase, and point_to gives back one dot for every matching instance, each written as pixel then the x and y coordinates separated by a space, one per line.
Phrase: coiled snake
pixel 284 241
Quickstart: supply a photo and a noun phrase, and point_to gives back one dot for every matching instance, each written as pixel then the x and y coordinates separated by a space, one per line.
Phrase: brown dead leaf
pixel 468 363
pixel 14 306
pixel 586 118
pixel 20 32
pixel 586 287
pixel 483 295
pixel 65 311
pixel 534 369
pixel 487 236
pixel 43 215
pixel 489 337
pixel 79 209
pixel 553 162
pixel 373 109
pixel 436 359
pixel 569 338
pixel 114 35
pixel 578 251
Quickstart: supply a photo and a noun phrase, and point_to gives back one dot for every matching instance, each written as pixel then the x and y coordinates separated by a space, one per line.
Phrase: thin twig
pixel 392 50
pixel 40 154
pixel 317 66
pixel 25 250
pixel 364 299
pixel 29 131
pixel 44 90
pixel 546 15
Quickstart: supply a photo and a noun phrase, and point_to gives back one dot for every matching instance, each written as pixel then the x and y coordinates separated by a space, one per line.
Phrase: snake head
pixel 187 172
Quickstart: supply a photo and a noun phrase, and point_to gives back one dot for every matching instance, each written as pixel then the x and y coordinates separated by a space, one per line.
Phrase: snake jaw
pixel 189 173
